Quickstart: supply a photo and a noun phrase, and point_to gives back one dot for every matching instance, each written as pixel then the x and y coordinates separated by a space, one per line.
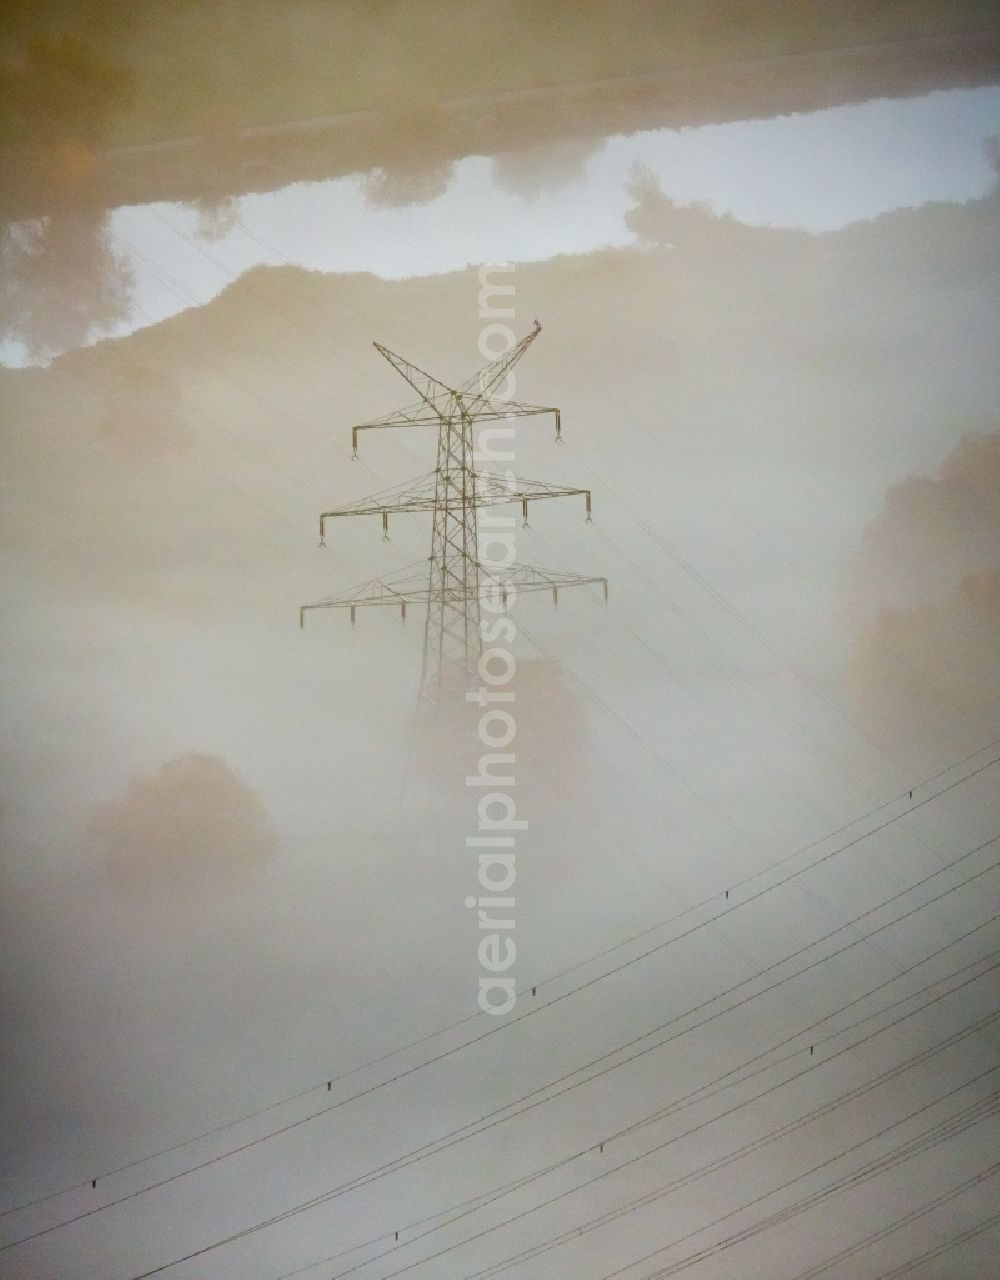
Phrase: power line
pixel 475 1017
pixel 877 1236
pixel 658 657
pixel 213 1160
pixel 954 1125
pixel 603 705
pixel 913 1263
pixel 497 1117
pixel 915 1060
pixel 756 875
pixel 637 737
pixel 713 1166
pixel 544 982
pixel 502 1026
pixel 694 1097
pixel 713 1088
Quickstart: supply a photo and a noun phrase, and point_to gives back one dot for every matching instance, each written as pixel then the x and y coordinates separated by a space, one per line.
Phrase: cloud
pixel 191 826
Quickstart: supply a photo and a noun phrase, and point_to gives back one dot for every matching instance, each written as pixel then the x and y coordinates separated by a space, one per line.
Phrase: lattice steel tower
pixel 458 582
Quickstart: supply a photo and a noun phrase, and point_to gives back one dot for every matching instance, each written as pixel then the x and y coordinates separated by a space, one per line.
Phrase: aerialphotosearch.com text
pixel 497 824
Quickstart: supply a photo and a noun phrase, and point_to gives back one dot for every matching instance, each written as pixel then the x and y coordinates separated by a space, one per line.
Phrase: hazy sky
pixel 234 861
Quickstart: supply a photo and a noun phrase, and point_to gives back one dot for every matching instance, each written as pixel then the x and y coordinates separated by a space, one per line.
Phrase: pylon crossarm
pixel 482 384
pixel 486 489
pixel 416 495
pixel 493 490
pixel 417 416
pixel 409 587
pixel 410 415
pixel 498 411
pixel 414 415
pixel 355 604
pixel 524 578
pixel 512 409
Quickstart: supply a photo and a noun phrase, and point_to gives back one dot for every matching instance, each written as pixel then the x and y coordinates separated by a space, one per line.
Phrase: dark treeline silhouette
pixel 366 89
pixel 310 91
pixel 63 282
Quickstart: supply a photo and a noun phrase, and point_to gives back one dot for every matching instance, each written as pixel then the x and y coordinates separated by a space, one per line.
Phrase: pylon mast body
pixel 454 586
pixel 451 633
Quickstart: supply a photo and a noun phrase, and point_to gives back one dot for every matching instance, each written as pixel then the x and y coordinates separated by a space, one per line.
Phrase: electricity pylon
pixel 457 582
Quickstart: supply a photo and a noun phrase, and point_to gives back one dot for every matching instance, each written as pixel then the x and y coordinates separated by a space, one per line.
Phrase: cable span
pixel 492 1119
pixel 701 1094
pixel 325 1085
